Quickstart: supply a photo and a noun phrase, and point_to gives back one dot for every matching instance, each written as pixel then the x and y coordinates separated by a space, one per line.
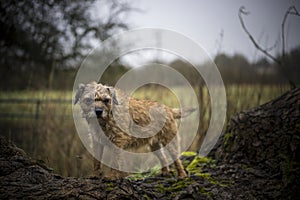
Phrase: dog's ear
pixel 79 92
pixel 113 95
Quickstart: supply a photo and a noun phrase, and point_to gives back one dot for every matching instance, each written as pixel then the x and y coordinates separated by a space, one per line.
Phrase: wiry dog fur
pixel 108 104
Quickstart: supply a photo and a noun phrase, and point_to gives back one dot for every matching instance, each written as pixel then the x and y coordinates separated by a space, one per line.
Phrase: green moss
pixel 110 187
pixel 189 153
pixel 179 185
pixel 204 191
pixel 141 176
pixel 195 168
pixel 209 178
pixel 227 137
pixel 225 183
pixel 185 163
pixel 175 187
pixel 196 165
pixel 213 180
pixel 160 188
pixel 203 175
pixel 146 197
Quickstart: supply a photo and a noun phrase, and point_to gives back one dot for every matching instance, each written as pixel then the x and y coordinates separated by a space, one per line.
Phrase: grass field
pixel 52 136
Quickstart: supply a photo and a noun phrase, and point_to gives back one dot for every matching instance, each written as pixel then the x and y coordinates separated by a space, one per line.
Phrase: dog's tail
pixel 181 113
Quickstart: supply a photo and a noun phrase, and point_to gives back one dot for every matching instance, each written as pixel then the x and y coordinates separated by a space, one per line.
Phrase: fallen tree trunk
pixel 266 141
pixel 256 158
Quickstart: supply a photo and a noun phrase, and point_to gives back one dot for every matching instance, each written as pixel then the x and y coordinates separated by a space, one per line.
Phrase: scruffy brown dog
pixel 131 123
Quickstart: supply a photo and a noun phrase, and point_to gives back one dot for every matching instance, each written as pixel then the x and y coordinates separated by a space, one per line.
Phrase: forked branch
pixel 255 43
pixel 281 60
pixel 291 11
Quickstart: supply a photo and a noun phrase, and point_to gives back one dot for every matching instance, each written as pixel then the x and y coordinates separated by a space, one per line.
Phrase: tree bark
pixel 267 138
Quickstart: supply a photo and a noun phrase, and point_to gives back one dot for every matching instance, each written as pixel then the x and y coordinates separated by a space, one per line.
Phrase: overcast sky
pixel 203 21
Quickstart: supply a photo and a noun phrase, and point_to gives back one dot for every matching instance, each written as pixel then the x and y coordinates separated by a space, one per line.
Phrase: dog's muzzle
pixel 99 112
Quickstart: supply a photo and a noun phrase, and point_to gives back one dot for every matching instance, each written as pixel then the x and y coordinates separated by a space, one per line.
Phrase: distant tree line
pixel 237 69
pixel 234 69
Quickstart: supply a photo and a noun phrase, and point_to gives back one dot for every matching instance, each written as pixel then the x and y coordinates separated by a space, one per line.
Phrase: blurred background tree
pixel 38 37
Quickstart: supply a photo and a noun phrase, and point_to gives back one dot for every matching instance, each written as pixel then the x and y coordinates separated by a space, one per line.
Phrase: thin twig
pixel 291 11
pixel 281 61
pixel 265 51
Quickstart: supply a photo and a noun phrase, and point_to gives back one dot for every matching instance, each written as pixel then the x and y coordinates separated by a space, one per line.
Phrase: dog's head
pixel 96 100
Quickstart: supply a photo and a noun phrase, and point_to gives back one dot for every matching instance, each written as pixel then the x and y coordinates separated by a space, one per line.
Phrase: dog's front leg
pixel 98 153
pixel 117 163
pixel 97 148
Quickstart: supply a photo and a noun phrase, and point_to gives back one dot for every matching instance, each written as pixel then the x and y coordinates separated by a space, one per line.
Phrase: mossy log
pixel 266 141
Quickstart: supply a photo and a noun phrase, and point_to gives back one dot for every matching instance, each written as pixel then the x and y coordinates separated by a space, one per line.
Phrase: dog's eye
pixel 88 101
pixel 106 101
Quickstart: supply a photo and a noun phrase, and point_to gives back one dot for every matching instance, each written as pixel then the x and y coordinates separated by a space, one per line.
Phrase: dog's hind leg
pixel 174 152
pixel 116 164
pixel 156 149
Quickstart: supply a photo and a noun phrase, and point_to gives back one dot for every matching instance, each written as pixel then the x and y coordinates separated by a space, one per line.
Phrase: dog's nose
pixel 99 111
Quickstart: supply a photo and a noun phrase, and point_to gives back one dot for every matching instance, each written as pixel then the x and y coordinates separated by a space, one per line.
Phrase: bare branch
pixel 242 12
pixel 291 11
pixel 273 46
pixel 281 61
